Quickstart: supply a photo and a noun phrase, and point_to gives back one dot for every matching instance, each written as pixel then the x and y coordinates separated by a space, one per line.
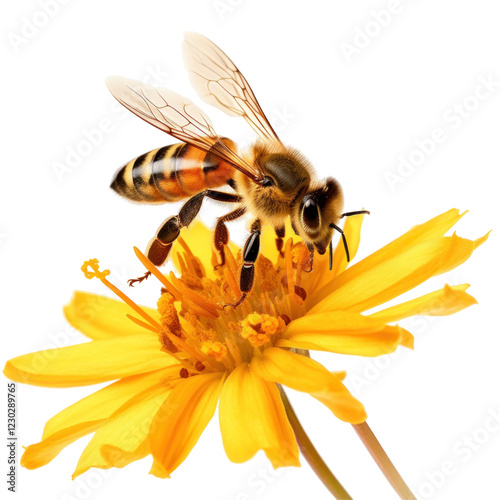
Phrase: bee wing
pixel 177 116
pixel 219 82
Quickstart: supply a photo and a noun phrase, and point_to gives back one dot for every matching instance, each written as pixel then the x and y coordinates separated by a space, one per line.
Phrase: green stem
pixel 311 454
pixel 382 460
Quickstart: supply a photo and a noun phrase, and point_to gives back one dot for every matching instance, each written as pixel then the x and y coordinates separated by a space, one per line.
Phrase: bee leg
pixel 280 234
pixel 310 247
pixel 357 212
pixel 170 229
pixel 191 208
pixel 344 240
pixel 159 247
pixel 221 233
pixel 250 254
pixel 132 282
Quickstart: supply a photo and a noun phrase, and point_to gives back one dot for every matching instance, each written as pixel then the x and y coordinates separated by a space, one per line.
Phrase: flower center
pixel 194 325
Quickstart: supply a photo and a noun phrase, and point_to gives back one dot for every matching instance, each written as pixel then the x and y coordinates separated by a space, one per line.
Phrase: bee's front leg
pixel 221 236
pixel 280 234
pixel 250 254
pixel 309 267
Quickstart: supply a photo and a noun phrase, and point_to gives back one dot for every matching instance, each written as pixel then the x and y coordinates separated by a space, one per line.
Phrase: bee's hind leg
pixel 159 247
pixel 221 233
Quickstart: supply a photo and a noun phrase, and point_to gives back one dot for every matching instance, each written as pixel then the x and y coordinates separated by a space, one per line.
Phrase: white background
pixel 353 117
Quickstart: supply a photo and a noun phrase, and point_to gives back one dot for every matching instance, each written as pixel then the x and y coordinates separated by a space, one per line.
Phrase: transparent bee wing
pixel 219 82
pixel 177 116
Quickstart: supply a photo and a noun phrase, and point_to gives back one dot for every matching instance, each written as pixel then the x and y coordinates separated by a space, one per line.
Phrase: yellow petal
pixel 431 229
pixel 343 333
pixel 122 439
pixel 444 302
pixel 268 239
pixel 302 373
pixel 360 288
pixel 86 416
pixel 99 317
pixel 197 236
pixel 89 363
pixel 252 418
pixel 460 250
pixel 341 375
pixel 352 231
pixel 182 419
pixel 321 274
pixel 406 339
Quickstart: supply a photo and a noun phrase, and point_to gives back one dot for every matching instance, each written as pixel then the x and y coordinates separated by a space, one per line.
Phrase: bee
pixel 270 181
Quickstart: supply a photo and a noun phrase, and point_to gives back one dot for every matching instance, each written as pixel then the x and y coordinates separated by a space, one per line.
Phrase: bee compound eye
pixel 310 214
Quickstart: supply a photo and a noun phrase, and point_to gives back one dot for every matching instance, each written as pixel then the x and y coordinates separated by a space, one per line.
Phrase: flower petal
pixel 196 237
pixel 449 300
pixel 86 416
pixel 321 274
pixel 252 418
pixel 304 374
pixel 181 420
pixel 352 231
pixel 89 363
pixel 433 228
pixel 99 317
pixel 122 439
pixel 360 288
pixel 341 375
pixel 343 333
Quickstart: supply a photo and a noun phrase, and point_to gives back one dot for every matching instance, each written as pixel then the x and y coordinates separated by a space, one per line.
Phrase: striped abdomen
pixel 172 173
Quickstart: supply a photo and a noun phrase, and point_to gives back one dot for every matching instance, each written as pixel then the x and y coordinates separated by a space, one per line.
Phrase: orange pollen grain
pixel 216 350
pixel 168 314
pixel 197 298
pixel 259 328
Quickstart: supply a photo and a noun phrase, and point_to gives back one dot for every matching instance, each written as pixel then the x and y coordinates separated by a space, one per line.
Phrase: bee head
pixel 317 211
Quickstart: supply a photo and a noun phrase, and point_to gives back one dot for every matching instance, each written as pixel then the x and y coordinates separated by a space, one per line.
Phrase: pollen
pixel 95 272
pixel 205 335
pixel 301 257
pixel 271 277
pixel 168 314
pixel 192 281
pixel 216 350
pixel 259 328
pixel 198 330
pixel 166 344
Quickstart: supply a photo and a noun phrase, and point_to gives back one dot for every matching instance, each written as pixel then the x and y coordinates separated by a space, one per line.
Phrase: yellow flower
pixel 174 364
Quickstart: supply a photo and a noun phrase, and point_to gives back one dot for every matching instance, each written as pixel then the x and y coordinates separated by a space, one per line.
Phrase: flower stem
pixel 311 454
pixel 383 461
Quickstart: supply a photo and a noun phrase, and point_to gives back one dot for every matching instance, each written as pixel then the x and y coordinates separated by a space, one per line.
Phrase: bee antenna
pixel 357 212
pixel 337 228
pixel 331 254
